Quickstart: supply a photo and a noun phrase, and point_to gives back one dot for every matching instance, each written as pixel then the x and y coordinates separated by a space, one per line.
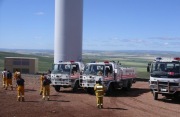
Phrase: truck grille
pixel 170 83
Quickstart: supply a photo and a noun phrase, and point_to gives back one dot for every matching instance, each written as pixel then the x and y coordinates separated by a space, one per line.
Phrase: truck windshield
pixel 61 68
pixel 165 69
pixel 94 69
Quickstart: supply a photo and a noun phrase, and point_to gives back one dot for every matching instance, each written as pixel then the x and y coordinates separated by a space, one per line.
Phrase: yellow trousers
pixel 46 91
pixel 4 81
pixel 9 82
pixel 99 100
pixel 41 88
pixel 20 91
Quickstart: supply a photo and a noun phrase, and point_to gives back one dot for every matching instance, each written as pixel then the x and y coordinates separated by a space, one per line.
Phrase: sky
pixel 107 24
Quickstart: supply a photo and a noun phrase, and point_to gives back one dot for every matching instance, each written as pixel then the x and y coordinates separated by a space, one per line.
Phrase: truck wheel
pixel 110 90
pixel 75 88
pixel 155 95
pixel 128 87
pixel 57 88
pixel 176 96
pixel 90 91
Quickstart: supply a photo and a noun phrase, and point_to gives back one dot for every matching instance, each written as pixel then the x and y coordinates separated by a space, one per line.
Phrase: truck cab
pixel 93 72
pixel 112 75
pixel 165 77
pixel 66 74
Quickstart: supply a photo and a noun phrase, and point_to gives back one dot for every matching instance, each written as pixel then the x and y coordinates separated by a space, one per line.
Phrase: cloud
pixel 39 13
pixel 117 43
pixel 166 43
pixel 37 37
pixel 166 38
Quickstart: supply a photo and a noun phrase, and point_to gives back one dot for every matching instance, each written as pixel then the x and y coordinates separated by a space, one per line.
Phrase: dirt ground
pixel 138 102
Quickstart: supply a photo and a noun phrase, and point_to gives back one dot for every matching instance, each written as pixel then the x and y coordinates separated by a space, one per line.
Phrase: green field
pixel 44 63
pixel 139 62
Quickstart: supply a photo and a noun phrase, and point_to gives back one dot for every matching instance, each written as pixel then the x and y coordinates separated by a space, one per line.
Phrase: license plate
pixel 90 81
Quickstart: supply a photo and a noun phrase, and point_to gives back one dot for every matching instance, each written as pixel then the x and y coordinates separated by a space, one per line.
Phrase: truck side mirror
pixel 148 67
pixel 81 72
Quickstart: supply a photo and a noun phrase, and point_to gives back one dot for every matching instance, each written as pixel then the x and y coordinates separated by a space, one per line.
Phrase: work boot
pixel 101 106
pixel 40 93
pixel 18 99
pixel 43 98
pixel 98 106
pixel 23 99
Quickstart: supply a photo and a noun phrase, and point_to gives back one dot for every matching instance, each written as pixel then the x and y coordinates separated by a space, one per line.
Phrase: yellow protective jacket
pixel 99 90
pixel 16 73
pixel 42 79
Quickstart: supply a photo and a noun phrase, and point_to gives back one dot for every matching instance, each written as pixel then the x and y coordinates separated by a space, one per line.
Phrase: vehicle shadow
pixel 115 108
pixel 134 92
pixel 59 100
pixel 30 101
pixel 27 90
pixel 79 91
pixel 173 101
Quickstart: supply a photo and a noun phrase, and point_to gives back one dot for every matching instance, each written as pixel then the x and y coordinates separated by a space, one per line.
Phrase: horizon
pixel 4 50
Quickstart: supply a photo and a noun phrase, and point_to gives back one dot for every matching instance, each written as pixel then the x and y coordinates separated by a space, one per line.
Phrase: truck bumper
pixel 164 89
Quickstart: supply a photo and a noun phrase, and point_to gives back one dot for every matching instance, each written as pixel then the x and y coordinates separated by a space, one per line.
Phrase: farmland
pixel 136 102
pixel 136 59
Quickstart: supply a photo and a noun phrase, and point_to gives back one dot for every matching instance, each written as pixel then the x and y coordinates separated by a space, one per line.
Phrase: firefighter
pixel 20 88
pixel 49 71
pixel 4 77
pixel 99 91
pixel 9 80
pixel 46 88
pixel 99 73
pixel 16 73
pixel 107 72
pixel 41 83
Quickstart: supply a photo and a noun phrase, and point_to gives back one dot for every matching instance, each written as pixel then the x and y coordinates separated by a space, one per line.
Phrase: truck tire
pixel 76 86
pixel 155 95
pixel 57 88
pixel 109 90
pixel 128 87
pixel 90 91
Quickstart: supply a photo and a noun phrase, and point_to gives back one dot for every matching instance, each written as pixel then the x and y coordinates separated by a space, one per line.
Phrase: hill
pixel 45 62
pixel 130 58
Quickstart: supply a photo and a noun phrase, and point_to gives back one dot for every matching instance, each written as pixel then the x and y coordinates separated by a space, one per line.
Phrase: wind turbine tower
pixel 68 30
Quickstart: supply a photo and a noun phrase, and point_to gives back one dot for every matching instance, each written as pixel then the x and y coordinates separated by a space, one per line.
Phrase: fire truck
pixel 112 75
pixel 66 74
pixel 165 77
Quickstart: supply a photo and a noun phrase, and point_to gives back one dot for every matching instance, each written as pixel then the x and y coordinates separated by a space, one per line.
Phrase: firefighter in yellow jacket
pixel 20 88
pixel 46 88
pixel 41 83
pixel 4 77
pixel 99 91
pixel 16 73
pixel 9 80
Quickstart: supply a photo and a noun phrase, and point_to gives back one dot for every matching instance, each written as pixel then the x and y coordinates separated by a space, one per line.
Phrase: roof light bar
pixel 106 61
pixel 177 58
pixel 72 61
